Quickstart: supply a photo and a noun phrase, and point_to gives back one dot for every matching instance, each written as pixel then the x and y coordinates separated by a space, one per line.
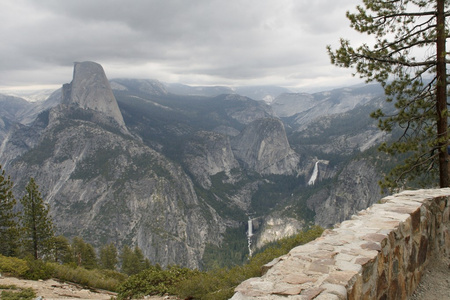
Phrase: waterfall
pixel 249 237
pixel 313 178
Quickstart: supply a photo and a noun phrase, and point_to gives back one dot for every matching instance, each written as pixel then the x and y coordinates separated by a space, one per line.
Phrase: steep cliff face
pixel 207 154
pixel 90 89
pixel 274 227
pixel 263 147
pixel 356 188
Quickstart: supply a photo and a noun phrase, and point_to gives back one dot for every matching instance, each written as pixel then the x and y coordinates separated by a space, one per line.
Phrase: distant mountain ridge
pixel 265 92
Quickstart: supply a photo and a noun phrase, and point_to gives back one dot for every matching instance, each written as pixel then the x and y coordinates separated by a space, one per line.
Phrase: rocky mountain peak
pixel 90 89
pixel 263 146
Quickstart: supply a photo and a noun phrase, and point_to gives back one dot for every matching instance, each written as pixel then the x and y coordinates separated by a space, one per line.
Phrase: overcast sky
pixel 196 42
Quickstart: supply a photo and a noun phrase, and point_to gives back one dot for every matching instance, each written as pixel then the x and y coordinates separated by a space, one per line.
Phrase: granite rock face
pixel 356 188
pixel 90 89
pixel 263 147
pixel 273 227
pixel 207 154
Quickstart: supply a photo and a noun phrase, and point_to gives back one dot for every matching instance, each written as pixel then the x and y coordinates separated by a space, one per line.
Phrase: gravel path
pixel 435 283
pixel 52 289
pixel 55 290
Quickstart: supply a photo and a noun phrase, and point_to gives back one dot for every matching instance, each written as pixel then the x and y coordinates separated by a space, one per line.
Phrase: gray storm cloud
pixel 195 42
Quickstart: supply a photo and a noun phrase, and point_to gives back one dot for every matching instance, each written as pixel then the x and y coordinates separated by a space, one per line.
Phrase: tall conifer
pixel 108 257
pixel 37 225
pixel 409 59
pixel 9 232
pixel 84 253
pixel 133 262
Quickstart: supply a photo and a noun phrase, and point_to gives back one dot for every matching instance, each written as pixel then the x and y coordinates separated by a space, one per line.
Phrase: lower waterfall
pixel 249 237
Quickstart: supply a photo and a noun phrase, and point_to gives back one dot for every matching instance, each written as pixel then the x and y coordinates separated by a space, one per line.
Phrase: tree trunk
pixel 441 95
pixel 34 228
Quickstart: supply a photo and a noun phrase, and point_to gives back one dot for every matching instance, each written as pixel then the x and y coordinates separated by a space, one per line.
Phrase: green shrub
pixel 13 266
pixel 101 279
pixel 114 275
pixel 154 281
pixel 211 285
pixel 25 294
pixel 38 269
pixel 8 287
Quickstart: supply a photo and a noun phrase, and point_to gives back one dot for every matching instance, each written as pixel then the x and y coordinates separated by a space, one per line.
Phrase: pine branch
pixel 395 61
pixel 404 14
pixel 420 161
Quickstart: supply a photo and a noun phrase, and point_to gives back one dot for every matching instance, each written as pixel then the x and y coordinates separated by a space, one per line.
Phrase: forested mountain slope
pixel 127 161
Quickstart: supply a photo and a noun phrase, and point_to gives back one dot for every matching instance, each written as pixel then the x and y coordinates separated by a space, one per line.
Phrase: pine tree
pixel 9 232
pixel 84 253
pixel 141 263
pixel 36 223
pixel 133 262
pixel 61 250
pixel 408 58
pixel 108 257
pixel 126 260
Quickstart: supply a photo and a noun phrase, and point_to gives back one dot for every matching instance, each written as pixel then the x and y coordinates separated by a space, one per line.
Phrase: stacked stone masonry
pixel 380 253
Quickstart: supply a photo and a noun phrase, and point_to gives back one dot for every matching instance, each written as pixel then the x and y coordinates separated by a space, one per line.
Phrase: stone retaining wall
pixel 379 254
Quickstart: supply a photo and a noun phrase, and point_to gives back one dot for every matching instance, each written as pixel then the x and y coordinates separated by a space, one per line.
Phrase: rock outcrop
pixel 263 147
pixel 275 227
pixel 207 154
pixel 90 89
pixel 356 188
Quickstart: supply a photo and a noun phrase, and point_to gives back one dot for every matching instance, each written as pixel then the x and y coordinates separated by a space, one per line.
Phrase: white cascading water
pixel 249 237
pixel 313 178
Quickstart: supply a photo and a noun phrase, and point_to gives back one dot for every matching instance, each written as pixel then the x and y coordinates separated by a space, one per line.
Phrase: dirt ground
pixel 435 283
pixel 55 290
pixel 51 289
